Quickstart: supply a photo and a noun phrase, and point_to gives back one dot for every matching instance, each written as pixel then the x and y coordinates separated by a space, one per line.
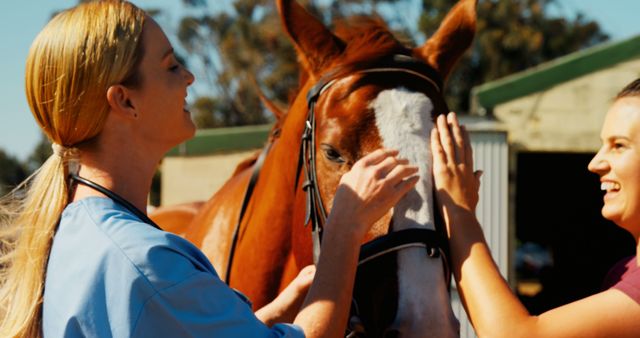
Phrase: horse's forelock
pixel 368 40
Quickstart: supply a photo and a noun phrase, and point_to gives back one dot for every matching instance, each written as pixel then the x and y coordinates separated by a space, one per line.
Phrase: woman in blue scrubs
pixel 81 258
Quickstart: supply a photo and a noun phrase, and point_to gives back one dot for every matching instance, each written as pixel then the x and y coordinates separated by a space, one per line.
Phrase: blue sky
pixel 20 21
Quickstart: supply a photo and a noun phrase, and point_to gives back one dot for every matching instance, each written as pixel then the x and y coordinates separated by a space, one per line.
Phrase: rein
pixel 245 202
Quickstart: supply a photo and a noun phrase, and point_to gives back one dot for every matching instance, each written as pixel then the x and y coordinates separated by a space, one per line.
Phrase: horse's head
pixel 363 90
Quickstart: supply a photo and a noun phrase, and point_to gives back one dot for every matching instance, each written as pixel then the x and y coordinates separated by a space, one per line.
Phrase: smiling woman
pixel 614 312
pixel 160 86
pixel 618 160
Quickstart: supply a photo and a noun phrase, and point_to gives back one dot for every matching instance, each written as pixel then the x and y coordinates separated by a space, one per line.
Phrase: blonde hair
pixel 72 62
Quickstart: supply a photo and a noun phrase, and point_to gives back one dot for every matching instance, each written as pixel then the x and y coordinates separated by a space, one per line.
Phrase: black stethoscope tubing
pixel 116 198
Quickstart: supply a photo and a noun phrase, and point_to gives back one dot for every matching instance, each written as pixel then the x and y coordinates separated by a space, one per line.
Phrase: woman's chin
pixel 610 214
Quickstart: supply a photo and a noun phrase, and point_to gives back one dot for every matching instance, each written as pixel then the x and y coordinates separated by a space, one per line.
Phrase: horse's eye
pixel 332 154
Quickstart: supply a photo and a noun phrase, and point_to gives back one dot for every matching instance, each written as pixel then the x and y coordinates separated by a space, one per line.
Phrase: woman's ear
pixel 120 102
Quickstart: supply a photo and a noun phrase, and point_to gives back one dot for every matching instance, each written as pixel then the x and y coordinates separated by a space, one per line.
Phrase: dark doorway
pixel 558 204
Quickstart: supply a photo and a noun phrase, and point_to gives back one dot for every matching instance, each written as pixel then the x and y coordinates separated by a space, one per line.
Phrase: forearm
pixel 286 306
pixel 326 308
pixel 492 307
pixel 271 314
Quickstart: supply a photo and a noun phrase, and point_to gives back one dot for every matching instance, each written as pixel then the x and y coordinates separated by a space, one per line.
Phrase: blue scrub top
pixel 111 275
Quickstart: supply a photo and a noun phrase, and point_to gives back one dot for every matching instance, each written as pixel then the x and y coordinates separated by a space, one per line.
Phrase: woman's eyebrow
pixel 617 137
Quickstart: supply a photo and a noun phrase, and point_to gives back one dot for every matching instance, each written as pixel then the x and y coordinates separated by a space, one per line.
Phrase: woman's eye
pixel 174 68
pixel 332 154
pixel 618 145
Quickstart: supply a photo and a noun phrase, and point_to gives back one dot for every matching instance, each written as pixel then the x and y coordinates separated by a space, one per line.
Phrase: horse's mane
pixel 367 40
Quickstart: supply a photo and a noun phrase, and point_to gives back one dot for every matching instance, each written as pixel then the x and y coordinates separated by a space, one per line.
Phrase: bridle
pixel 315 211
pixel 316 215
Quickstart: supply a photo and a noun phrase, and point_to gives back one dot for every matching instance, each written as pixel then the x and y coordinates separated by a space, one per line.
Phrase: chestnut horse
pixel 367 91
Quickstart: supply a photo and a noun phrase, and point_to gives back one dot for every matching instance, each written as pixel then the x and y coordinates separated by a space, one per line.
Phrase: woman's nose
pixel 189 76
pixel 598 164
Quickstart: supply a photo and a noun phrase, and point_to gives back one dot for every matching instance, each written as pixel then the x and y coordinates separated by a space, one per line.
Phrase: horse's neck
pixel 272 229
pixel 280 173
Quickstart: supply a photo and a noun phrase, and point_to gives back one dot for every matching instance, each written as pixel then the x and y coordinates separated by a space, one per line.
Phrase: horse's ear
pixel 315 44
pixel 452 38
pixel 270 105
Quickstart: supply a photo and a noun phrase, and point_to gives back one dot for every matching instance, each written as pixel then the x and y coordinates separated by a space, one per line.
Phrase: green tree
pixel 39 155
pixel 245 45
pixel 512 35
pixel 12 172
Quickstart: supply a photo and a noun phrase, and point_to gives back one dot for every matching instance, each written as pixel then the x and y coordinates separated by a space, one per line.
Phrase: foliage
pixel 512 35
pixel 12 172
pixel 243 47
pixel 245 44
pixel 39 155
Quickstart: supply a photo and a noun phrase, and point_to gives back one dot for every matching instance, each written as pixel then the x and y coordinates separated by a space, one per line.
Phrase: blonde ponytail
pixel 34 209
pixel 72 62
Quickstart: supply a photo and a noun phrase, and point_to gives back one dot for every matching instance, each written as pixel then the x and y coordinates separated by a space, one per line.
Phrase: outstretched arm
pixel 493 309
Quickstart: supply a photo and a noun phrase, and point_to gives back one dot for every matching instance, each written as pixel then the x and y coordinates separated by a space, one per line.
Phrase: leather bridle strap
pixel 398 240
pixel 245 203
pixel 315 212
pixel 428 239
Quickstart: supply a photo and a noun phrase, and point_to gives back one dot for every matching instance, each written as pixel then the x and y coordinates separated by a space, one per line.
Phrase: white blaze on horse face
pixel 404 123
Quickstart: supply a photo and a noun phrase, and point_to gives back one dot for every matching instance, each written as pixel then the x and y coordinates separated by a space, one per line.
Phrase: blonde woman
pixel 493 309
pixel 82 259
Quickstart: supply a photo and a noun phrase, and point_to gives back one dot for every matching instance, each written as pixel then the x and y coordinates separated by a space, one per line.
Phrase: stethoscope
pixel 123 202
pixel 114 197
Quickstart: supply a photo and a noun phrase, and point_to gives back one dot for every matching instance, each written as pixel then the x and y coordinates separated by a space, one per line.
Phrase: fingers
pixel 445 138
pixel 405 185
pixel 477 174
pixel 377 156
pixel 384 162
pixel 458 137
pixel 305 277
pixel 307 271
pixel 400 172
pixel 468 152
pixel 450 141
pixel 384 168
pixel 436 148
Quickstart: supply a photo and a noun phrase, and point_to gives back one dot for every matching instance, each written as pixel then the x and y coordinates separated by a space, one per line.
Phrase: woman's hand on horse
pixel 286 306
pixel 455 181
pixel 374 185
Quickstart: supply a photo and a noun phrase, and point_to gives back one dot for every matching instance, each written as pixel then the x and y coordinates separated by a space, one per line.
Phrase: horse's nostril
pixel 391 333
